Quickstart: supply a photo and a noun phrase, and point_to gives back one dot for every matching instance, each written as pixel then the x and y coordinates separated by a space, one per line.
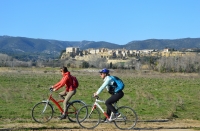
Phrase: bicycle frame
pixel 96 104
pixel 57 104
pixel 89 116
pixel 43 111
pixel 54 101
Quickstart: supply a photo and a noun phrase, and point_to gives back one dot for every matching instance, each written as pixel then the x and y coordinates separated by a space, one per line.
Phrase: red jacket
pixel 66 80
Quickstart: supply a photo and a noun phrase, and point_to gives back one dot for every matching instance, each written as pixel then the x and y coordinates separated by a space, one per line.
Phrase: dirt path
pixel 183 125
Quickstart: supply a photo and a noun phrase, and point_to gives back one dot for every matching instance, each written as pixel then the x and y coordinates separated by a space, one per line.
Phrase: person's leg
pixel 65 102
pixel 67 98
pixel 114 98
pixel 62 94
pixel 108 111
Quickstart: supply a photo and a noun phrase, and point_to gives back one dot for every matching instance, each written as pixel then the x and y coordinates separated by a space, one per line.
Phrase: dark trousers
pixel 109 102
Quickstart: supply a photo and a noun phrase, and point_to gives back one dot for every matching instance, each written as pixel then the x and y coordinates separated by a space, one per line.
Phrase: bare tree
pixel 98 62
pixel 179 64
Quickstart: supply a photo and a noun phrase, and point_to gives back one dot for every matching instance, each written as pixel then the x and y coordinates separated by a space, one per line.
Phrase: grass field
pixel 152 95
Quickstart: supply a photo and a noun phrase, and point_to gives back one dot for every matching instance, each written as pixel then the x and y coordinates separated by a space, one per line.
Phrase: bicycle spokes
pixel 128 118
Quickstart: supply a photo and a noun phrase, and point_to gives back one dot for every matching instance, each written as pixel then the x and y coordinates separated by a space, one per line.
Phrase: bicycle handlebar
pixel 94 97
pixel 97 99
pixel 51 89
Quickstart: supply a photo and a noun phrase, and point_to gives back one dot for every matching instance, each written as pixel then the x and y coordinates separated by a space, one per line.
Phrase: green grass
pixel 151 95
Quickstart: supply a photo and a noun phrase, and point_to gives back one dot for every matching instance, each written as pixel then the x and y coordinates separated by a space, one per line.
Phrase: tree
pixel 85 64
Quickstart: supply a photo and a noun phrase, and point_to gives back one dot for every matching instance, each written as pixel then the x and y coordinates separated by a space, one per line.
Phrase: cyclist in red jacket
pixel 68 92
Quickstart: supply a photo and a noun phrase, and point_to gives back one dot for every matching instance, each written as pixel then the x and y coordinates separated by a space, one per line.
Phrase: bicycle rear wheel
pixel 73 108
pixel 42 112
pixel 88 117
pixel 127 120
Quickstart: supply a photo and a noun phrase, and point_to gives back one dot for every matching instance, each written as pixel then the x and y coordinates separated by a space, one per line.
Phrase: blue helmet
pixel 104 71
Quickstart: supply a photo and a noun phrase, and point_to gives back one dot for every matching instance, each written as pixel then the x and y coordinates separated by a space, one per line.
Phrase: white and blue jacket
pixel 108 81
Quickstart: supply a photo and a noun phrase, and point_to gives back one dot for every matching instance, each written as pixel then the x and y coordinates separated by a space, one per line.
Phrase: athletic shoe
pixel 62 117
pixel 115 116
pixel 105 120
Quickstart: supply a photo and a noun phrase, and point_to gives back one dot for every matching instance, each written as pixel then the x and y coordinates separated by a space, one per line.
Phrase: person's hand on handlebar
pixel 95 94
pixel 52 89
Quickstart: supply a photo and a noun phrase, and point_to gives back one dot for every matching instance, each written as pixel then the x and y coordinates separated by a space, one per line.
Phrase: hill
pixel 31 48
pixel 159 44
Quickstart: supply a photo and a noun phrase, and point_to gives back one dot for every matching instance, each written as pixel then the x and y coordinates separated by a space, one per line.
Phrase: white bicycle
pixel 89 116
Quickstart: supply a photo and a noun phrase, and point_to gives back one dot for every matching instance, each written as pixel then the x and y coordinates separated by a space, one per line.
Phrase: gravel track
pixel 175 125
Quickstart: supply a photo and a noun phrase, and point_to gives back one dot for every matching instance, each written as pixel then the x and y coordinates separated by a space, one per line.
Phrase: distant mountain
pixel 164 43
pixel 31 48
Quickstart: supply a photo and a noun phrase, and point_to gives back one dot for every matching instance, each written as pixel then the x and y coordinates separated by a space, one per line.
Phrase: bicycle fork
pixel 93 108
pixel 45 107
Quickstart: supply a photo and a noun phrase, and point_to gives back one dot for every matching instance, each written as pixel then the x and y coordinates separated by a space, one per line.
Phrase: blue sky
pixel 115 21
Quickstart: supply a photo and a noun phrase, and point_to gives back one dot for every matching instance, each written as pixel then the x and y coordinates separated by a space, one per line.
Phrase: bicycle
pixel 126 121
pixel 43 111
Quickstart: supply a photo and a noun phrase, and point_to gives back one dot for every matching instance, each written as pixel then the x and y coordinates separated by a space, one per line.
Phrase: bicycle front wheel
pixel 42 112
pixel 73 108
pixel 127 120
pixel 88 117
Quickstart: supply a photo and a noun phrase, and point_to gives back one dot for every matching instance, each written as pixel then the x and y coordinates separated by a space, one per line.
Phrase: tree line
pixel 187 64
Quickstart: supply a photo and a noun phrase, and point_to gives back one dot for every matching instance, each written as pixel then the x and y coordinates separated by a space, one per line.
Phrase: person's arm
pixel 106 82
pixel 61 83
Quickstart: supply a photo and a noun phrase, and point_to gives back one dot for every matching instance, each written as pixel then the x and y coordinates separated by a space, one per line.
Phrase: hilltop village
pixel 116 55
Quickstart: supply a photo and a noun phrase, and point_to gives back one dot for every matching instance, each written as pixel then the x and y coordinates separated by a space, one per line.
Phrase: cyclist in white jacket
pixel 115 96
